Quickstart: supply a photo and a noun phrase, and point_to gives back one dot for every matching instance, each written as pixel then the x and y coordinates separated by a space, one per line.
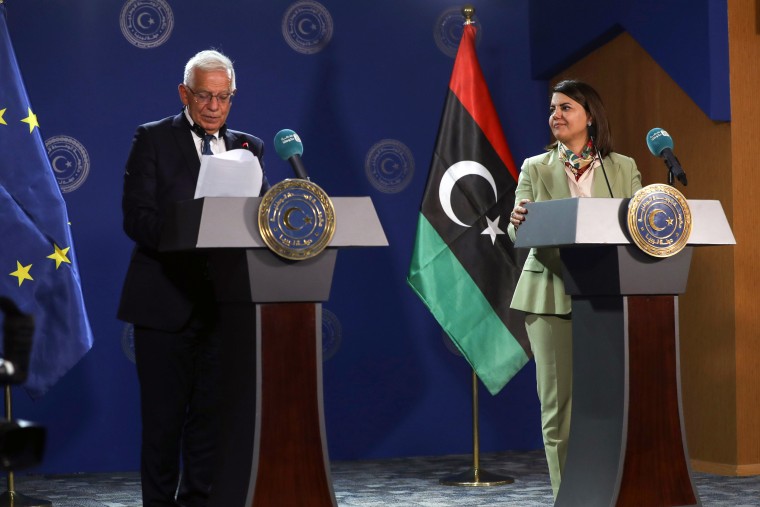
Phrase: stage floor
pixel 407 482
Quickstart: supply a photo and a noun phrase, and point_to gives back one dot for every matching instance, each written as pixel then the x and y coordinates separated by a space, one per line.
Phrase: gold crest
pixel 659 220
pixel 296 219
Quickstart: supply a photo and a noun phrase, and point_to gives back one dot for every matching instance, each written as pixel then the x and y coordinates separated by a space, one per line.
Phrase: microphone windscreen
pixel 657 140
pixel 287 143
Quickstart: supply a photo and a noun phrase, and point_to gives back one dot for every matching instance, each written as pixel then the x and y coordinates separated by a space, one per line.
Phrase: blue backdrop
pixel 363 83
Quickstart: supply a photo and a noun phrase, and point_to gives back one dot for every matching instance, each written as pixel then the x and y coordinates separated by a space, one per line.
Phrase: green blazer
pixel 540 288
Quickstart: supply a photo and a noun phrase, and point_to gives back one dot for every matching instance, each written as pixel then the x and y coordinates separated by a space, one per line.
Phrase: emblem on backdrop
pixel 146 24
pixel 389 166
pixel 332 334
pixel 448 29
pixel 70 162
pixel 307 27
pixel 659 220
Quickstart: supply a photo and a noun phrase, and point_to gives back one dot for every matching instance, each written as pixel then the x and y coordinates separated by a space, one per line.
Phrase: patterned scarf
pixel 578 165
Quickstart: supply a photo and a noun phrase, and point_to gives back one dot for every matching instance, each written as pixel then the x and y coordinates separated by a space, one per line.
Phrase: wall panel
pixel 639 96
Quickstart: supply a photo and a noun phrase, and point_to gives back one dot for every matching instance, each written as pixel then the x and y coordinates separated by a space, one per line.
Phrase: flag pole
pixel 475 476
pixel 442 271
pixel 11 498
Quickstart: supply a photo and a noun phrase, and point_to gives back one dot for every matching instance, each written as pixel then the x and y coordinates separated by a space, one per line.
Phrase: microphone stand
pixel 671 173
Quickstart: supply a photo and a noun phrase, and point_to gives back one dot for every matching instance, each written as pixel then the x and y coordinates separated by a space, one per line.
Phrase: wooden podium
pixel 627 443
pixel 273 449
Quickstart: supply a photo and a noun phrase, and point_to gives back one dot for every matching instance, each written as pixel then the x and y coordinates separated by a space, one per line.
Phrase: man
pixel 167 296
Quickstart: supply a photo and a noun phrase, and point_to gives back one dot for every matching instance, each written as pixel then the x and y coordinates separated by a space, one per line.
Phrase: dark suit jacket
pixel 161 289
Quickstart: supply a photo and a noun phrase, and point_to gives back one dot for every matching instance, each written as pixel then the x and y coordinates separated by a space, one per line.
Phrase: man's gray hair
pixel 209 60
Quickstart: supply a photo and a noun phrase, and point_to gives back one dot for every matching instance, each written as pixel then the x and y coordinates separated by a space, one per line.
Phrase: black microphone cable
pixel 592 135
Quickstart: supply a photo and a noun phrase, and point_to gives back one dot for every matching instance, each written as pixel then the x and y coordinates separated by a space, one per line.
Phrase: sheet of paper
pixel 235 173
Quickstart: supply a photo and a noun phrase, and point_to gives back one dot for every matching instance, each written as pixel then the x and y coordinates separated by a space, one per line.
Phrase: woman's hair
pixel 208 60
pixel 586 96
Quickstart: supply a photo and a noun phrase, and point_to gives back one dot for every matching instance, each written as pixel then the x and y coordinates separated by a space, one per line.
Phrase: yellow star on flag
pixel 59 256
pixel 22 273
pixel 31 120
pixel 2 112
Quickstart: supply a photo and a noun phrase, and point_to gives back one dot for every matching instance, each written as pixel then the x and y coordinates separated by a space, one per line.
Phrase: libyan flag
pixel 464 267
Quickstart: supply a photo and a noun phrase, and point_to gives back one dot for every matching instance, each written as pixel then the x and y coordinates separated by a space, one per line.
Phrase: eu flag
pixel 464 267
pixel 37 261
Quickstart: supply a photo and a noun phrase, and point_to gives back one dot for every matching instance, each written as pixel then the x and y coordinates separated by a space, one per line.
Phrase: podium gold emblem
pixel 659 220
pixel 296 219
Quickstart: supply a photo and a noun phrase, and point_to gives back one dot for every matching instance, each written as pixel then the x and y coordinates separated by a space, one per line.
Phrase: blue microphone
pixel 289 147
pixel 660 144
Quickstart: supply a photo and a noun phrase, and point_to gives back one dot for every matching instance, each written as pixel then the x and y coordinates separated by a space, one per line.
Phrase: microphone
pixel 660 144
pixel 591 128
pixel 289 147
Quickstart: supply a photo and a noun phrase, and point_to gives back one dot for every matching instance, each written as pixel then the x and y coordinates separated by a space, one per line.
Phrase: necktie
pixel 206 145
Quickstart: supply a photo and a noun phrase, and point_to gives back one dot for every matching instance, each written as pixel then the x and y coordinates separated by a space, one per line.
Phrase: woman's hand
pixel 518 213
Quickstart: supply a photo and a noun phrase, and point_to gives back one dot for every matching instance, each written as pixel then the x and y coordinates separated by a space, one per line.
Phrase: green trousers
pixel 551 340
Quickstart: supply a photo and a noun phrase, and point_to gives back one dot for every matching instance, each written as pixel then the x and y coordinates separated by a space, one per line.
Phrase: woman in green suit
pixel 571 167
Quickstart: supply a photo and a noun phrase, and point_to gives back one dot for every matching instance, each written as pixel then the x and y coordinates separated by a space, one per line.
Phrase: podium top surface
pixel 603 221
pixel 232 222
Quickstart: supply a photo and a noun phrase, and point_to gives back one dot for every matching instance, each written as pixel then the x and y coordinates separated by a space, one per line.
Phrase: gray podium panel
pixel 232 222
pixel 709 224
pixel 259 276
pixel 565 222
pixel 603 221
pixel 612 270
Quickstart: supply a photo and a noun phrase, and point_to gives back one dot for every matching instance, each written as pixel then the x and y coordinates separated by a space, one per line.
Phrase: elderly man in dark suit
pixel 167 296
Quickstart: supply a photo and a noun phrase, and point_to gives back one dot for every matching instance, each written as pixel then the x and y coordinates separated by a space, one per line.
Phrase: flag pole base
pixel 476 477
pixel 14 499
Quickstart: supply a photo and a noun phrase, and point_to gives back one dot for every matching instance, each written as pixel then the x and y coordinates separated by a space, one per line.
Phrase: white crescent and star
pixel 493 229
pixel 449 180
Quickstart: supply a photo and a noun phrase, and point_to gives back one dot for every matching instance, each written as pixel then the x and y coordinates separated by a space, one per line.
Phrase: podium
pixel 273 449
pixel 627 444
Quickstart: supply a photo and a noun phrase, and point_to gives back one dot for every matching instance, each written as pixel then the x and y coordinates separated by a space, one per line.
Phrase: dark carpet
pixel 394 482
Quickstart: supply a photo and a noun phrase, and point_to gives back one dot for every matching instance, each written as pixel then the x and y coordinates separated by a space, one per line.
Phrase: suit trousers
pixel 178 375
pixel 551 340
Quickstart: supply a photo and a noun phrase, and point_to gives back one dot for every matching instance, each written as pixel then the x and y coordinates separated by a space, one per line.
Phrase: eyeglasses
pixel 204 98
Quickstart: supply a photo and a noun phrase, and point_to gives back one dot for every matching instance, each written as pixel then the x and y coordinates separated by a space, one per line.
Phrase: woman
pixel 570 168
